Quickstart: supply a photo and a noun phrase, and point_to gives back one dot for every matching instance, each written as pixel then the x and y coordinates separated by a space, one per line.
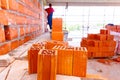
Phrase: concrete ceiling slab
pixel 84 2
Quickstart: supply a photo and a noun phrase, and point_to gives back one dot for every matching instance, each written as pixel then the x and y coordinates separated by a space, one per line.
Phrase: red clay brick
pixel 21 20
pixel 21 41
pixel 27 38
pixel 14 44
pixel 104 61
pixel 101 37
pixel 84 42
pixel 5 48
pixel 7 18
pixel 103 31
pixel 110 37
pixel 57 36
pixel 57 25
pixel 92 43
pixel 2 34
pixel 67 62
pixel 107 43
pixel 91 36
pixel 79 62
pixel 93 49
pixel 47 72
pixel 11 32
pixel 21 30
pixel 9 4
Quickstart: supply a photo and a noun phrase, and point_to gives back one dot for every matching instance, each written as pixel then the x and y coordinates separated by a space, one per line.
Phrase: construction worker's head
pixel 50 5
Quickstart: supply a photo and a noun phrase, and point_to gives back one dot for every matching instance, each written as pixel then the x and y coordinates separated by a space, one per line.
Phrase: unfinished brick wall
pixel 20 20
pixel 99 45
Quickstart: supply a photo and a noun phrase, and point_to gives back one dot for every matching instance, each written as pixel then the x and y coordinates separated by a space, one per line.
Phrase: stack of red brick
pixel 57 33
pixel 115 28
pixel 20 21
pixel 59 59
pixel 99 45
pixel 35 48
pixel 38 57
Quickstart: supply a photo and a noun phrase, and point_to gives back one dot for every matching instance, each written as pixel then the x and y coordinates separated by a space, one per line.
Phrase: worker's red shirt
pixel 49 10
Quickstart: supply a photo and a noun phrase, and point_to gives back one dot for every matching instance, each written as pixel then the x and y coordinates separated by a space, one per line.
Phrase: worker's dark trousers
pixel 50 20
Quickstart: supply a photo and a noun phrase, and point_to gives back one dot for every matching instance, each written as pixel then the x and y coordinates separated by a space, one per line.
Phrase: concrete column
pixel 42 14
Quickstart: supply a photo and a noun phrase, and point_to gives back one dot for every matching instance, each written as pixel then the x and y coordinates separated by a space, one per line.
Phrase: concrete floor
pixel 18 68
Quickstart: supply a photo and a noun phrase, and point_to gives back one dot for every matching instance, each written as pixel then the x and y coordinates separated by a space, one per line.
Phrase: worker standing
pixel 50 11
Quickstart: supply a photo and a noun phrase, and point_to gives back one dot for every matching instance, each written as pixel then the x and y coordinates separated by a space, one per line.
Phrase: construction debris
pixel 105 61
pixel 117 59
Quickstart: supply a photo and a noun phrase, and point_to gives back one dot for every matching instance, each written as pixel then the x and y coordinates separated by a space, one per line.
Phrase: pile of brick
pixel 59 59
pixel 57 33
pixel 35 48
pixel 117 59
pixel 20 21
pixel 109 61
pixel 99 45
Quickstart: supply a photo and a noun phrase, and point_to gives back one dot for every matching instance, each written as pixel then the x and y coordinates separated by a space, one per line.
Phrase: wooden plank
pixel 64 77
pixel 1 69
pixel 93 77
pixel 5 60
pixel 29 77
pixel 16 53
pixel 24 56
pixel 59 77
pixel 17 71
pixel 4 74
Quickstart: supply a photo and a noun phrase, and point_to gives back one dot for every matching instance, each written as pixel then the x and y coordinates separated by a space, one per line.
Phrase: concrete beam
pixel 85 2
